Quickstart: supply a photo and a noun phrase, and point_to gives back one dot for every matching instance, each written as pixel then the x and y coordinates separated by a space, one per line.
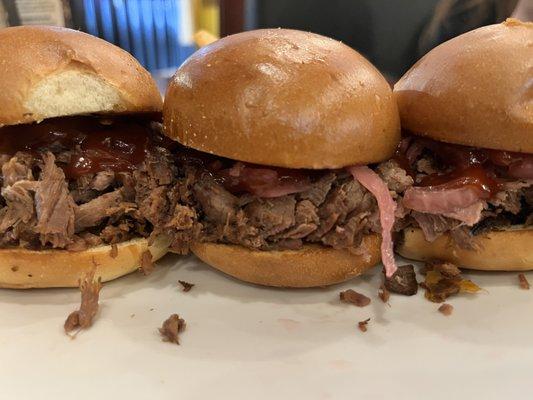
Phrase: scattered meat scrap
pixel 113 253
pixel 447 269
pixel 446 309
pixel 186 285
pixel 147 265
pixel 171 328
pixel 524 284
pixel 383 293
pixel 83 318
pixel 443 280
pixel 403 281
pixel 362 325
pixel 352 297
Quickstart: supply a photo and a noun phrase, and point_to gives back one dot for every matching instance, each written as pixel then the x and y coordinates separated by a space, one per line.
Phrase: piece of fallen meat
pixel 90 292
pixel 447 269
pixel 403 281
pixel 387 209
pixel 383 293
pixel 186 285
pixel 362 325
pixel 171 328
pixel 352 297
pixel 147 265
pixel 441 290
pixel 446 309
pixel 524 284
pixel 441 282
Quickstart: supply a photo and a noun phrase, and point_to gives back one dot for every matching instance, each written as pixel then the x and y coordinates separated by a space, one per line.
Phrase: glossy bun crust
pixel 26 269
pixel 50 72
pixel 476 89
pixel 310 266
pixel 506 250
pixel 283 98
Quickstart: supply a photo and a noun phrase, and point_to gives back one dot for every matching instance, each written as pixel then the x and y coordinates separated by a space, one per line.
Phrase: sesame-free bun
pixel 502 250
pixel 476 89
pixel 283 98
pixel 25 269
pixel 310 266
pixel 50 72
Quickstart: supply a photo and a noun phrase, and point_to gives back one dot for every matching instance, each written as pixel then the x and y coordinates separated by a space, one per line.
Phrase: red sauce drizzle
pixel 255 178
pixel 474 176
pixel 97 144
pixel 239 177
pixel 483 169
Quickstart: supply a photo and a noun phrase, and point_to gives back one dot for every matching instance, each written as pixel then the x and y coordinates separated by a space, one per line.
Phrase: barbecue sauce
pixel 485 170
pixel 474 176
pixel 97 144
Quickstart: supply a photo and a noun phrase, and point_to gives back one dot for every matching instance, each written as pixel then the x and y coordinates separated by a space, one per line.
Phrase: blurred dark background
pixel 393 34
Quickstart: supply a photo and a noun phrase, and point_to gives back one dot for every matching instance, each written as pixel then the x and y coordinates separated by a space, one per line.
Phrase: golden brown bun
pixel 475 89
pixel 48 72
pixel 25 269
pixel 313 265
pixel 508 250
pixel 283 98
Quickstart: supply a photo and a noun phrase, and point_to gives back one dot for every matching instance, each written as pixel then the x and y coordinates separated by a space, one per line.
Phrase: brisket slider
pixel 278 128
pixel 469 107
pixel 75 135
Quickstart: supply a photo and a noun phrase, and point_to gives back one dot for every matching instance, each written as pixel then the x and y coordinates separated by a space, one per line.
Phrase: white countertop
pixel 244 341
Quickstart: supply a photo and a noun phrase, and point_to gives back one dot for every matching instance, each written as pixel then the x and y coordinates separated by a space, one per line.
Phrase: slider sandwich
pixel 78 145
pixel 467 112
pixel 279 131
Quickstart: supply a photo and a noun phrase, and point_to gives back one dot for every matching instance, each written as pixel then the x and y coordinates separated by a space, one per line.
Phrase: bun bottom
pixel 506 250
pixel 26 269
pixel 311 266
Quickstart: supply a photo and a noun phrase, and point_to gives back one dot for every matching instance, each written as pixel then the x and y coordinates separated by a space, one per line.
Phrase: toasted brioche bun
pixel 283 98
pixel 26 269
pixel 313 265
pixel 475 89
pixel 506 250
pixel 49 72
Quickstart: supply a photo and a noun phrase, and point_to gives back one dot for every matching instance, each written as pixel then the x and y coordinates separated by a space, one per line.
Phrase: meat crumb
pixel 171 328
pixel 113 253
pixel 90 293
pixel 444 280
pixel 446 269
pixel 383 293
pixel 352 297
pixel 524 284
pixel 147 265
pixel 362 325
pixel 403 281
pixel 446 309
pixel 186 285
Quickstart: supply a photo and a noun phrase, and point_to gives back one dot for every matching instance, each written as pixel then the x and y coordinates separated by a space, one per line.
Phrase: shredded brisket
pixel 41 208
pixel 54 206
pixel 335 211
pixel 512 204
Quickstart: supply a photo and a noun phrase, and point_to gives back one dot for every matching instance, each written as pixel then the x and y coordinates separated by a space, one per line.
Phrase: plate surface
pixel 244 341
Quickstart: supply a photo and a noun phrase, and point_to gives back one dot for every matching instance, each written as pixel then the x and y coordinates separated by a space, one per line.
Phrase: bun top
pixel 476 89
pixel 50 72
pixel 283 98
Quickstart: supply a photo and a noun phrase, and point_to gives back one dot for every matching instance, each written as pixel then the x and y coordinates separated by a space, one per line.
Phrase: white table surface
pixel 249 342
